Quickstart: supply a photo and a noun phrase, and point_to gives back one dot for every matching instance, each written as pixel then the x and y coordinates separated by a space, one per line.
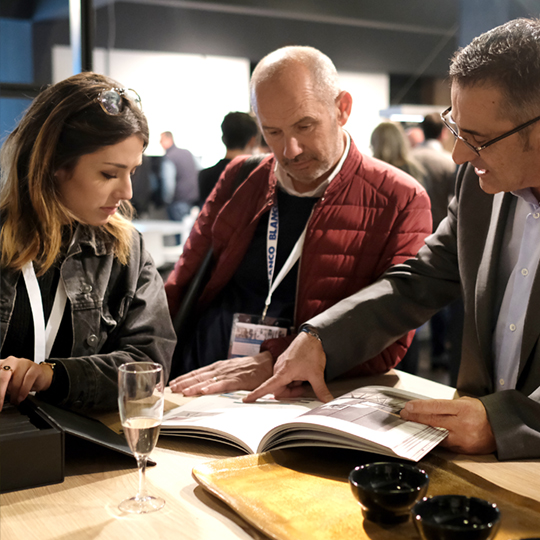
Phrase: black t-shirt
pixel 19 341
pixel 246 292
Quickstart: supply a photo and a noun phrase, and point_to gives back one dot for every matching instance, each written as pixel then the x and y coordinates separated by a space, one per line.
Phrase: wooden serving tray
pixel 304 494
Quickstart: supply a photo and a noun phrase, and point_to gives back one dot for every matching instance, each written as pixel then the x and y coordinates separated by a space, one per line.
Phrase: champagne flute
pixel 140 402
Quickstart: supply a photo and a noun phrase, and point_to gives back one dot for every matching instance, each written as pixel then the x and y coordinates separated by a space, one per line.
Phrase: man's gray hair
pixel 323 73
pixel 507 57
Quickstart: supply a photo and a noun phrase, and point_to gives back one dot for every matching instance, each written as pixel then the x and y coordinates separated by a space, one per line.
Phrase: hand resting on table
pixel 245 373
pixel 22 377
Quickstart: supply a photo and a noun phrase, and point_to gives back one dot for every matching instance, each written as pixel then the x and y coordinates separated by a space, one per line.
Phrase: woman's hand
pixel 19 377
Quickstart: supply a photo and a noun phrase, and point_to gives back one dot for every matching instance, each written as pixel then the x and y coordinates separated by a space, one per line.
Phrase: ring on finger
pixel 215 379
pixel 5 367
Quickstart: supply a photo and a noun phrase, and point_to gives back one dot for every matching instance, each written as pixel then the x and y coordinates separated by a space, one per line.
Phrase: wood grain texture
pixel 306 482
pixel 294 495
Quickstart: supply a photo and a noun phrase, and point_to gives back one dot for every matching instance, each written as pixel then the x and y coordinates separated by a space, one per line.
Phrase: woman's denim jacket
pixel 119 314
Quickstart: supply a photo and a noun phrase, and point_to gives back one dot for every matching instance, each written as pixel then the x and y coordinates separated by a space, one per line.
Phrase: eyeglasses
pixel 452 126
pixel 112 100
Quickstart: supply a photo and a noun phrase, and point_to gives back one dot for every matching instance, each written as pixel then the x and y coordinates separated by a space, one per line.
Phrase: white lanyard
pixel 43 336
pixel 271 251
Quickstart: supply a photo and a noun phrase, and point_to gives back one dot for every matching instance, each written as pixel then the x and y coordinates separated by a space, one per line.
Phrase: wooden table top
pixel 85 505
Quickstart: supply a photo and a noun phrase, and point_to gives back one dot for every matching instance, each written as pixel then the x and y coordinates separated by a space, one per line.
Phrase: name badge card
pixel 249 331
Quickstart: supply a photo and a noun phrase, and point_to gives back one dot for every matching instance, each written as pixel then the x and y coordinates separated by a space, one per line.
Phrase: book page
pixel 227 416
pixel 369 416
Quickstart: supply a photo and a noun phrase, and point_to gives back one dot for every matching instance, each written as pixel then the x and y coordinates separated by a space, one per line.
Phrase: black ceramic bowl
pixel 386 491
pixel 456 517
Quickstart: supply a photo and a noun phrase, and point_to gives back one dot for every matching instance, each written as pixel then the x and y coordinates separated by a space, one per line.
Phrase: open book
pixel 366 419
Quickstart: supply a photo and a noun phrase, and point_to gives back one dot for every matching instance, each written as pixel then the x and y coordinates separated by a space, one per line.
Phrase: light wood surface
pixel 84 506
pixel 306 486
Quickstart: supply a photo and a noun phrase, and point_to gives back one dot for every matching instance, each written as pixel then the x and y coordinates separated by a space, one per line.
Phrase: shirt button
pixel 512 327
pixel 92 340
pixel 524 272
pixel 86 288
pixel 501 382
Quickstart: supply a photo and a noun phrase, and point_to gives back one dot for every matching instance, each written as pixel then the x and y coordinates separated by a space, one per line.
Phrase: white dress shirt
pixel 519 262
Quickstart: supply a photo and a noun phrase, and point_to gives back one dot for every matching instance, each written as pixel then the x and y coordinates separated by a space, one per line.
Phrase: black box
pixel 31 448
pixel 33 440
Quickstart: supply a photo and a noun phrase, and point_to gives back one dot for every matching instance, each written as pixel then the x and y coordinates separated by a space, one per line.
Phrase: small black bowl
pixel 456 517
pixel 386 491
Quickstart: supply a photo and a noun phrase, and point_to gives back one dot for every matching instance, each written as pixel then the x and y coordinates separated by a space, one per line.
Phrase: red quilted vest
pixel 370 217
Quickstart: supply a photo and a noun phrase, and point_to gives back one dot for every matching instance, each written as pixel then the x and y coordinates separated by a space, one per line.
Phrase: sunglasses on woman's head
pixel 112 100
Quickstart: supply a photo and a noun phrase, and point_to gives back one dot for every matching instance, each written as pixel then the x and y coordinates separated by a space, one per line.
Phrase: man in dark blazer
pixel 487 251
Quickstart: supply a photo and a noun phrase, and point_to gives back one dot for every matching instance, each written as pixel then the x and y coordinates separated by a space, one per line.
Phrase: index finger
pixel 275 384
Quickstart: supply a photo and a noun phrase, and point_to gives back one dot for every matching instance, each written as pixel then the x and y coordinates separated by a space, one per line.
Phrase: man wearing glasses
pixel 487 250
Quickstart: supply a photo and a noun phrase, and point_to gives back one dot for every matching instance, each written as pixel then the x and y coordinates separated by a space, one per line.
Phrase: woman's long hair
pixel 62 124
pixel 389 143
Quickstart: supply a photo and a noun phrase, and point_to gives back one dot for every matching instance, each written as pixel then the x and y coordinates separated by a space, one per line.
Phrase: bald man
pixel 313 223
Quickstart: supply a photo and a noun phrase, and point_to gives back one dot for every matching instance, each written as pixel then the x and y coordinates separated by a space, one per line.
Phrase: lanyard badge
pixel 44 336
pixel 249 331
pixel 271 251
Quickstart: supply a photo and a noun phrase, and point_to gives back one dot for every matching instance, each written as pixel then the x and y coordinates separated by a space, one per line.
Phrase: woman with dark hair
pixel 79 294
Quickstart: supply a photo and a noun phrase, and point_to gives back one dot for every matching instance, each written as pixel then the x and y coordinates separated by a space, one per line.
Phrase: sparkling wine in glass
pixel 140 402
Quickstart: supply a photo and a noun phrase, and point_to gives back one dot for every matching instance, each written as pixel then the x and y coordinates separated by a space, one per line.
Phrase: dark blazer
pixel 460 258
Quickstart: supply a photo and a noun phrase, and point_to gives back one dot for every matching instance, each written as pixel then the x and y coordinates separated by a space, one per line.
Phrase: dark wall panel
pixel 429 14
pixel 162 28
pixel 47 34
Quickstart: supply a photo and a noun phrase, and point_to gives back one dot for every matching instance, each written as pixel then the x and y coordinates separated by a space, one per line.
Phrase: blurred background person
pixel 186 191
pixel 440 169
pixel 415 136
pixel 445 326
pixel 154 185
pixel 389 143
pixel 141 181
pixel 240 135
